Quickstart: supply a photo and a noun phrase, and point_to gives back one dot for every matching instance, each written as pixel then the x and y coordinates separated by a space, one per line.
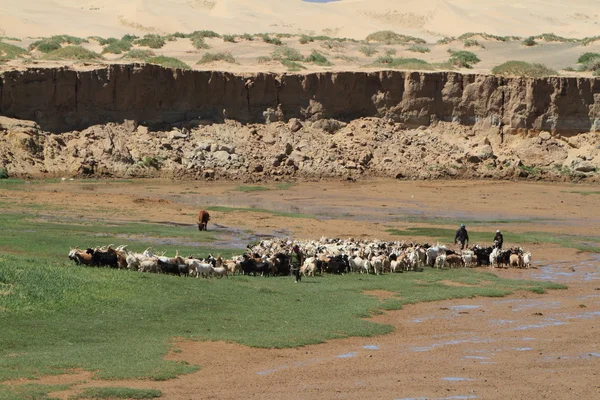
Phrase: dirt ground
pixel 522 346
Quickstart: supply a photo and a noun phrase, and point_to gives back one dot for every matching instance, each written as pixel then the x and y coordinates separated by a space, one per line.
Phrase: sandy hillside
pixel 345 18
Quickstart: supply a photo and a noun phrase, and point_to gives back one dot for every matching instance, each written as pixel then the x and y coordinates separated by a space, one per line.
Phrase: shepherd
pixel 203 218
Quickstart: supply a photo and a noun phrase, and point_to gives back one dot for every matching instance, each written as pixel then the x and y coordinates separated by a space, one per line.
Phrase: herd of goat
pixel 272 257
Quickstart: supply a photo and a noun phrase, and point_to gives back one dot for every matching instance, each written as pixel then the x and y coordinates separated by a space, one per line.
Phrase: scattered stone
pixel 295 125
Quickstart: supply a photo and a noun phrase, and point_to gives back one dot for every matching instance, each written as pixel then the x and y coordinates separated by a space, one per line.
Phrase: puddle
pixel 521 305
pixel 465 307
pixel 585 315
pixel 371 347
pixel 538 326
pixel 270 371
pixel 585 356
pixel 523 348
pixel 476 357
pixel 455 379
pixel 459 397
pixel 451 342
pixel 347 355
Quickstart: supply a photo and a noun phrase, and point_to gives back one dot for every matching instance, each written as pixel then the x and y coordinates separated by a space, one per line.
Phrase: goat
pixel 80 257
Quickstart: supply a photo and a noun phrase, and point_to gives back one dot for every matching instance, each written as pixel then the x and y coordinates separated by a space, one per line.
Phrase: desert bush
pixel 229 38
pixel 473 43
pixel 101 41
pixel 151 40
pixel 272 40
pixel 129 38
pixel 214 57
pixel 205 34
pixel 73 53
pixel 304 39
pixel 168 62
pixel 418 49
pixel 318 58
pixel 333 45
pixel 446 40
pixel 390 37
pixel 368 51
pixel 45 45
pixel 590 39
pixel 117 47
pixel 264 59
pixel 293 66
pixel 585 58
pixel 345 58
pixel 14 39
pixel 286 53
pixel 522 68
pixel 487 36
pixel 463 59
pixel 151 162
pixel 10 52
pixel 247 36
pixel 403 63
pixel 551 37
pixel 138 54
pixel 390 51
pixel 199 43
pixel 3 173
pixel 68 39
pixel 529 42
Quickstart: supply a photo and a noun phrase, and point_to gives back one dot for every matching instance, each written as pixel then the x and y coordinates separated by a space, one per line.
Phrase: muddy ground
pixel 523 346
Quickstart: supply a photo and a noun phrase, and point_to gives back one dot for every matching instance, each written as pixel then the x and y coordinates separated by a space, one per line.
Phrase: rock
pixel 208 173
pixel 386 160
pixel 297 156
pixel 226 148
pixel 221 155
pixel 288 148
pixel 204 146
pixel 480 153
pixel 177 134
pixel 584 166
pixel 213 148
pixel 545 136
pixel 295 125
pixel 258 168
pixel 329 125
pixel 130 125
pixel 351 165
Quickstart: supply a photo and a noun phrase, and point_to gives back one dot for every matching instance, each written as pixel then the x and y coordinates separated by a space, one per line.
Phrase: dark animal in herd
pixel 203 218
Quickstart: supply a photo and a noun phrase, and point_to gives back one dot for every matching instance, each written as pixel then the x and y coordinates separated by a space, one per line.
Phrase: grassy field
pixel 56 316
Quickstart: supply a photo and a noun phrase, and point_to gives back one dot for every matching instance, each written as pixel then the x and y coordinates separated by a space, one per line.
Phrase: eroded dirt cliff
pixel 144 120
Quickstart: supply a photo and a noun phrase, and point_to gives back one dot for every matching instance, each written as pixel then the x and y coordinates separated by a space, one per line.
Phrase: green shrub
pixel 138 54
pixel 463 59
pixel 117 393
pixel 304 39
pixel 529 42
pixel 129 38
pixel 318 59
pixel 418 49
pixel 271 40
pixel 151 40
pixel 487 36
pixel 214 57
pixel 45 45
pixel 446 40
pixel 390 37
pixel 390 51
pixel 286 53
pixel 590 39
pixel 117 47
pixel 73 53
pixel 150 162
pixel 229 38
pixel 9 51
pixel 199 43
pixel 264 59
pixel 247 36
pixel 368 51
pixel 168 62
pixel 521 68
pixel 473 43
pixel 551 37
pixel 3 173
pixel 101 41
pixel 403 63
pixel 585 58
pixel 292 66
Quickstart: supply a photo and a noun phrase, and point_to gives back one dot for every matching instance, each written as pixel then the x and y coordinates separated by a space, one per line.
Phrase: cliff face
pixel 61 99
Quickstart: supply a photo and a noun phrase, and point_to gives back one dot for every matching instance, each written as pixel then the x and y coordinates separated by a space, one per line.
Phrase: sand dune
pixel 347 18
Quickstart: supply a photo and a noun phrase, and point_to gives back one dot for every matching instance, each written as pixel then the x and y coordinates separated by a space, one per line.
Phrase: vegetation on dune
pixel 473 43
pixel 368 51
pixel 10 52
pixel 229 38
pixel 463 59
pixel 286 53
pixel 117 46
pixel 551 37
pixel 487 36
pixel 151 40
pixel 169 62
pixel 590 62
pixel 522 68
pixel 215 57
pixel 529 42
pixel 418 49
pixel 138 54
pixel 390 37
pixel 317 58
pixel 73 53
pixel 270 39
pixel 293 66
pixel 45 45
pixel 408 64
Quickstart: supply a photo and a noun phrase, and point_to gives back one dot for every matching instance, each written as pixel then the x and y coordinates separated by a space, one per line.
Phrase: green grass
pixel 263 59
pixel 10 52
pixel 138 54
pixel 229 38
pixel 117 393
pixel 199 43
pixel 286 53
pixel 293 65
pixel 584 192
pixel 270 39
pixel 317 58
pixel 390 37
pixel 529 42
pixel 259 210
pixel 118 46
pixel 73 53
pixel 473 43
pixel 168 62
pixel 368 51
pixel 3 173
pixel 551 37
pixel 45 45
pixel 151 40
pixel 522 68
pixel 30 391
pixel 588 57
pixel 215 57
pixel 486 36
pixel 57 317
pixel 402 63
pixel 418 49
pixel 247 189
pixel 463 59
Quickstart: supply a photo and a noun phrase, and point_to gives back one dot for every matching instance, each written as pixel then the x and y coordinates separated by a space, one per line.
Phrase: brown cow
pixel 203 218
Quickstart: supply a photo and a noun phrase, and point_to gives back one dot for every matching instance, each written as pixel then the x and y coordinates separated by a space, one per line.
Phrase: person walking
pixel 461 237
pixel 498 240
pixel 297 260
